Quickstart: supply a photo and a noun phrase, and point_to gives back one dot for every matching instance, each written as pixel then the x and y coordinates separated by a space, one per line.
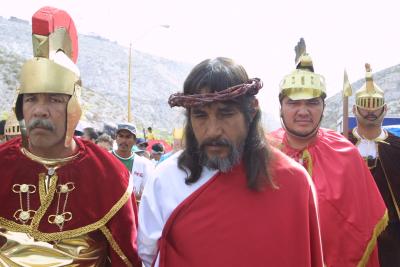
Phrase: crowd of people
pixel 227 194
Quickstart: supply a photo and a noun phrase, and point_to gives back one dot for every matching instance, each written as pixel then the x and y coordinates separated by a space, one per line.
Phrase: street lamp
pixel 166 26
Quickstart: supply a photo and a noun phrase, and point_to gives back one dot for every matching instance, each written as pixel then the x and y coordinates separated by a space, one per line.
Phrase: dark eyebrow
pixel 197 109
pixel 316 99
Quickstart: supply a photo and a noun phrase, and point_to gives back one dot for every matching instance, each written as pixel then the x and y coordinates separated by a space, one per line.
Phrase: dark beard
pixel 223 164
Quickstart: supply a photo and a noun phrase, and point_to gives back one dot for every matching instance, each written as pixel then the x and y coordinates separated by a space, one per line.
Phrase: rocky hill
pixel 388 79
pixel 104 73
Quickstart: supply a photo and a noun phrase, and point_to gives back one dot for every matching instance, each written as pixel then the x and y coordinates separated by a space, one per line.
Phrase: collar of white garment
pixel 382 136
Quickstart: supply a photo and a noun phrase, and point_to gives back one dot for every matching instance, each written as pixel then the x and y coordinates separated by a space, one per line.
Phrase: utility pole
pixel 129 84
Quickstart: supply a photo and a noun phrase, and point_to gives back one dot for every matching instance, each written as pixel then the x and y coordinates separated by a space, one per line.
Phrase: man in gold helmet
pixel 58 208
pixel 11 128
pixel 351 210
pixel 381 151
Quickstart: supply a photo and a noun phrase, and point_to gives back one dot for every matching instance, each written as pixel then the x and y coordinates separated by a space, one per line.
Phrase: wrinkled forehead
pixel 59 95
pixel 217 104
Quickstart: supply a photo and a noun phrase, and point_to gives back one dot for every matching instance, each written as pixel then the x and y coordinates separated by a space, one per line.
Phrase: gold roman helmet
pixel 53 69
pixel 12 127
pixel 302 83
pixel 369 96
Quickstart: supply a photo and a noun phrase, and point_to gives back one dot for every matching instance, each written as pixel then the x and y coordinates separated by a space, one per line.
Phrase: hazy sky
pixel 261 35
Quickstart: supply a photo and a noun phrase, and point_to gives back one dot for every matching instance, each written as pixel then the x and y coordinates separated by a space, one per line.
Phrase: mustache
pixel 122 145
pixel 40 123
pixel 215 142
pixel 371 117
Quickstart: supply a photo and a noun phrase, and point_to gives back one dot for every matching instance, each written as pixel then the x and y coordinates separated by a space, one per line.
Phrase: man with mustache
pixel 381 151
pixel 64 201
pixel 140 168
pixel 351 211
pixel 227 199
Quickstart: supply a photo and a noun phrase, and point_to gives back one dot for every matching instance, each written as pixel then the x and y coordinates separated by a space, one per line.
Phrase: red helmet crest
pixel 48 19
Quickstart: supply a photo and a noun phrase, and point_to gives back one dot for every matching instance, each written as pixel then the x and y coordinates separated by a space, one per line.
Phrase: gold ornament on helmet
pixel 370 96
pixel 302 83
pixel 53 69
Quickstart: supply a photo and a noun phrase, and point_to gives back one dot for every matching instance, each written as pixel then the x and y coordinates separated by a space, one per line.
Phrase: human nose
pixel 303 111
pixel 41 109
pixel 214 128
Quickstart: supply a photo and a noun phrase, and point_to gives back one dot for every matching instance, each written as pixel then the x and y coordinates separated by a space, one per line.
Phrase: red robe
pixel 102 197
pixel 224 223
pixel 351 210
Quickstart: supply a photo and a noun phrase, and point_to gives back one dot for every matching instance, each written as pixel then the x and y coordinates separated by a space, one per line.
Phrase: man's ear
pixel 385 109
pixel 354 110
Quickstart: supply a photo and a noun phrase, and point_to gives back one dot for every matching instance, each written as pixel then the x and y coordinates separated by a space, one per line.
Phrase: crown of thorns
pixel 251 87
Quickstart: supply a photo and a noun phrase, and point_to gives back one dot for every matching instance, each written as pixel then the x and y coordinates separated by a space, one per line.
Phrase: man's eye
pixel 56 100
pixel 28 99
pixel 198 114
pixel 227 112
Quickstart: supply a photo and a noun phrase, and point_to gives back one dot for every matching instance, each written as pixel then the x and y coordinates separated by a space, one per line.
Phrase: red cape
pixel 352 212
pixel 101 198
pixel 224 223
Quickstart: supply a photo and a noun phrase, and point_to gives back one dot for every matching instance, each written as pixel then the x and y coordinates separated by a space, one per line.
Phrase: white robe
pixel 164 191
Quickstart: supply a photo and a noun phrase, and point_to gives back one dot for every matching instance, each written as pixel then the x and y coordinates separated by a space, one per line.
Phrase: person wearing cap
pixel 228 199
pixel 140 168
pixel 351 211
pixel 157 150
pixel 381 151
pixel 142 145
pixel 58 206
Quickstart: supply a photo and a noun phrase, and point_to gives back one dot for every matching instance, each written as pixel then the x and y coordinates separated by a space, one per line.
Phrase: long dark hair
pixel 216 75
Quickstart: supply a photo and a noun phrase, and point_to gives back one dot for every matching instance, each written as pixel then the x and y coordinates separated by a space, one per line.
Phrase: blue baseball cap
pixel 127 126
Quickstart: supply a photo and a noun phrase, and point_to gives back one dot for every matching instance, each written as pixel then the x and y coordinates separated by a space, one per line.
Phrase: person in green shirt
pixel 140 168
pixel 126 139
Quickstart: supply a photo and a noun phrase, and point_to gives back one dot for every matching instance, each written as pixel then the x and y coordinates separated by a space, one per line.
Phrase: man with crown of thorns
pixel 64 201
pixel 228 199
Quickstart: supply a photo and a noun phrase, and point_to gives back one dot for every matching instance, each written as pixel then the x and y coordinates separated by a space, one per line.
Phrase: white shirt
pixel 164 191
pixel 366 147
pixel 142 169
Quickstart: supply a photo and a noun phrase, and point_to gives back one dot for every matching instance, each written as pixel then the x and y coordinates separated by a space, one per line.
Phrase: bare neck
pixel 55 152
pixel 124 154
pixel 369 133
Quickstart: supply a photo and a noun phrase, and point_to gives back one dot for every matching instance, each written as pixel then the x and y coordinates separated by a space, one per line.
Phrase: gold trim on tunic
pixel 21 250
pixel 33 228
pixel 115 245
